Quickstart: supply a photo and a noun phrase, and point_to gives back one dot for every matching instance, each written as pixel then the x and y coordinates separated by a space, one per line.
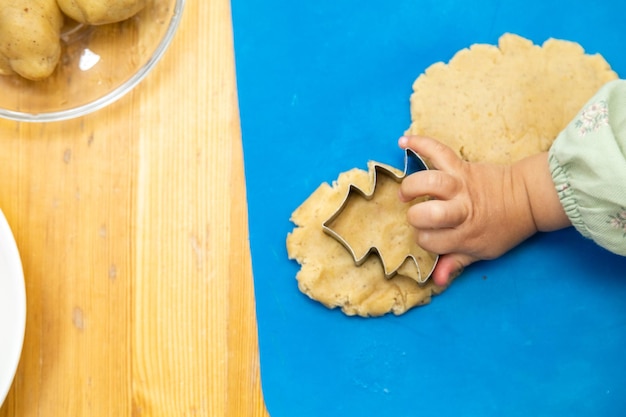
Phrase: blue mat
pixel 324 87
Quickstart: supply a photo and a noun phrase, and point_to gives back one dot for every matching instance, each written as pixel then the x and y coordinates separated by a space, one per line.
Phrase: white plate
pixel 12 307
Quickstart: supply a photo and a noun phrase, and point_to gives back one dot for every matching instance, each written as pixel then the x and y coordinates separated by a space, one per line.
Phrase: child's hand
pixel 478 211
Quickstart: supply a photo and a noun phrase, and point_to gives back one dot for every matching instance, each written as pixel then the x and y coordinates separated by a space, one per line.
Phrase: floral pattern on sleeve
pixel 618 220
pixel 593 117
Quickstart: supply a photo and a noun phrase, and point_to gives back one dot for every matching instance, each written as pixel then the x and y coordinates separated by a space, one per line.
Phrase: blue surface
pixel 324 87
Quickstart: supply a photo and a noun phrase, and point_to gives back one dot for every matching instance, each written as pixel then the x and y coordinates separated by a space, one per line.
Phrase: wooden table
pixel 132 228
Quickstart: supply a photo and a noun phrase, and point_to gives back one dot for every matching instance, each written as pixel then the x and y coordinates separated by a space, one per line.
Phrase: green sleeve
pixel 588 164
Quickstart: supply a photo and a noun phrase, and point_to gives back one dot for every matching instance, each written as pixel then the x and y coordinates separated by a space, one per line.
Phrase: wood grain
pixel 132 227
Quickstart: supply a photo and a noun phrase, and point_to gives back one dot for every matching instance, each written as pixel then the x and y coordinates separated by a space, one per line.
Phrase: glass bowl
pixel 99 64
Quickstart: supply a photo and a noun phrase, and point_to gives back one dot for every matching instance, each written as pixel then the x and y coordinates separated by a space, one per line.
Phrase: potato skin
pixel 100 12
pixel 29 37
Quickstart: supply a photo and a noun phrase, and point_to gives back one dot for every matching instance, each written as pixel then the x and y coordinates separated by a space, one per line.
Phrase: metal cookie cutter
pixel 412 163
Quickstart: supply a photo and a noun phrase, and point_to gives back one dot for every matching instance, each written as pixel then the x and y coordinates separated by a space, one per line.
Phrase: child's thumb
pixel 449 267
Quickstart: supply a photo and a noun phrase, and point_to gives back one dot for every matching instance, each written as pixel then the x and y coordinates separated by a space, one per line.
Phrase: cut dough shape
pixel 372 222
pixel 328 272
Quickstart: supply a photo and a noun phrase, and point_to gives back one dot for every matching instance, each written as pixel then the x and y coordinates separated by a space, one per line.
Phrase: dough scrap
pixel 489 103
pixel 501 104
pixel 328 273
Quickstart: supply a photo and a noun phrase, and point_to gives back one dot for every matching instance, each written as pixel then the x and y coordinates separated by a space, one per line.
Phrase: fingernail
pixel 403 141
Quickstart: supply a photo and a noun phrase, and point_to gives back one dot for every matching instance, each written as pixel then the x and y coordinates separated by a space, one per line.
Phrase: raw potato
pixel 29 37
pixel 100 12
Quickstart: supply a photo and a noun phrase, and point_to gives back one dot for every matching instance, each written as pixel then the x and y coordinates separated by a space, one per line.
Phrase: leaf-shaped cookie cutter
pixel 412 163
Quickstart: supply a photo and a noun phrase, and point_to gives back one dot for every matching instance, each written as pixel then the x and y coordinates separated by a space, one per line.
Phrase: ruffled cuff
pixel 588 165
pixel 566 195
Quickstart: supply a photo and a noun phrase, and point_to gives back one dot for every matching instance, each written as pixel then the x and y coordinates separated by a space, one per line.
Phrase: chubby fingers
pixel 437 184
pixel 437 214
pixel 441 156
